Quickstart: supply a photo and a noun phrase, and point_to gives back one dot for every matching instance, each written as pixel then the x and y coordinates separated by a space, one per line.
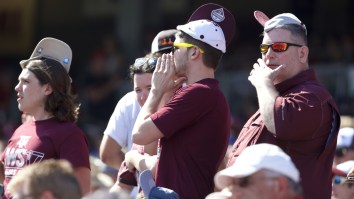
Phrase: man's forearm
pixel 141 162
pixel 150 107
pixel 143 130
pixel 266 98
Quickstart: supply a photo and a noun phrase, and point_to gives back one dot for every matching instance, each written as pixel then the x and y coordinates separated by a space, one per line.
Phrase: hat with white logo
pixel 277 21
pixel 211 24
pixel 220 15
pixel 255 158
pixel 53 49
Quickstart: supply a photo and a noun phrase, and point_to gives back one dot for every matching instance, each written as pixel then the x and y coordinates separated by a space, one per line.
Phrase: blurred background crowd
pixel 107 35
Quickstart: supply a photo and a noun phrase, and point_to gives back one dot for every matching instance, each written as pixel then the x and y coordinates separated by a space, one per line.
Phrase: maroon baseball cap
pixel 219 15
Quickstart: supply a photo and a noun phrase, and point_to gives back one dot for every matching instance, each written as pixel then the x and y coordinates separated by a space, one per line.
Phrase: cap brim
pixel 219 195
pixel 225 177
pixel 338 172
pixel 24 62
pixel 147 182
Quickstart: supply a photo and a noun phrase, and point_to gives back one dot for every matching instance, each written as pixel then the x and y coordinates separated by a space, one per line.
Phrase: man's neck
pixel 198 72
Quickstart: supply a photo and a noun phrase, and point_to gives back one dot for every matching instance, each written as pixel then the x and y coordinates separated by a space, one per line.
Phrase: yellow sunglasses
pixel 185 45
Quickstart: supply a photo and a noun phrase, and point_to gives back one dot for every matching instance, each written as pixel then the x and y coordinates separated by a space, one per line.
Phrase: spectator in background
pixel 341 187
pixel 101 177
pixel 44 92
pixel 117 138
pixel 162 43
pixel 102 86
pixel 49 179
pixel 261 171
pixel 345 145
pixel 296 112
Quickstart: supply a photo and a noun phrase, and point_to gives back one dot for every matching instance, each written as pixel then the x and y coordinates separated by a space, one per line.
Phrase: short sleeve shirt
pixel 121 123
pixel 196 129
pixel 35 141
pixel 303 116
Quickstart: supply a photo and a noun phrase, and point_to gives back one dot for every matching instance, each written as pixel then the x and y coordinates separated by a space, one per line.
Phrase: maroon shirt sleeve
pixel 186 107
pixel 295 111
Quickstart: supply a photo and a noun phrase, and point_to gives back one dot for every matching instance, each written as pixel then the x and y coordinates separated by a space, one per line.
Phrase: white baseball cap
pixel 345 138
pixel 224 194
pixel 255 158
pixel 53 49
pixel 344 168
pixel 163 41
pixel 206 31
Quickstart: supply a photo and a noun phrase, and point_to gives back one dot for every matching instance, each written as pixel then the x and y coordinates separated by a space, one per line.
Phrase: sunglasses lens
pixel 279 47
pixel 140 61
pixel 264 48
pixel 152 61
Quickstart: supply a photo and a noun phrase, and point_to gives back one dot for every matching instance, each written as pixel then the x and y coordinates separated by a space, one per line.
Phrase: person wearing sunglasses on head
pixel 296 112
pixel 117 135
pixel 261 171
pixel 44 92
pixel 342 185
pixel 117 142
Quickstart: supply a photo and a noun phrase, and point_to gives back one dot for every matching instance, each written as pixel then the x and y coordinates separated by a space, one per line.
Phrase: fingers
pixel 261 63
pixel 164 63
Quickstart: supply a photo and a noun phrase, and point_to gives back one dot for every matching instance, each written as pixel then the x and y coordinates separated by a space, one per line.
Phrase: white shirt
pixel 121 123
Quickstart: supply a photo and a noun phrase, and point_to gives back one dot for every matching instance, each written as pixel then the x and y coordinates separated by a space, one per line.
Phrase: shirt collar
pixel 304 76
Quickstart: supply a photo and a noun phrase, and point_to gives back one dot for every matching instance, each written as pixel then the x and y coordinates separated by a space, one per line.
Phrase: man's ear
pixel 195 52
pixel 48 89
pixel 303 54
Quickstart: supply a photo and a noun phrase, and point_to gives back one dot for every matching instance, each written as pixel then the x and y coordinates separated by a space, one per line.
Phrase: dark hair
pixel 61 102
pixel 211 56
pixel 148 65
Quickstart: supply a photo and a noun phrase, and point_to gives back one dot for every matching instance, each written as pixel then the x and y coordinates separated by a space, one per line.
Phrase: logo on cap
pixel 166 41
pixel 39 51
pixel 66 61
pixel 218 15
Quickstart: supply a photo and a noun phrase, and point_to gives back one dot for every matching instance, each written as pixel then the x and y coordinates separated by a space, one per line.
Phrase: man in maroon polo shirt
pixel 295 112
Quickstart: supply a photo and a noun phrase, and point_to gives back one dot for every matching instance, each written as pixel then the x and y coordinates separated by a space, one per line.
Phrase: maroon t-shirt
pixel 303 113
pixel 35 141
pixel 196 129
